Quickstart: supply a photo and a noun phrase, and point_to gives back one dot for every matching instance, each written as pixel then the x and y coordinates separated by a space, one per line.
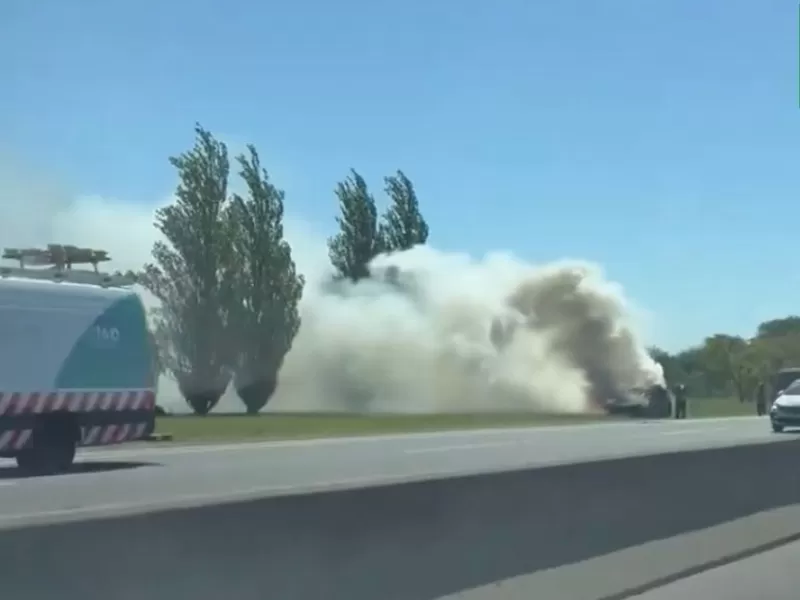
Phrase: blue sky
pixel 660 138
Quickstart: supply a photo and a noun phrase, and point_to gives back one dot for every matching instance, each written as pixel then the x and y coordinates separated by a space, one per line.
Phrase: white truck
pixel 77 365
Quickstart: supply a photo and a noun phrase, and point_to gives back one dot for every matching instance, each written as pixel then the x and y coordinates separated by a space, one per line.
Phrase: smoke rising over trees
pixel 230 298
pixel 225 279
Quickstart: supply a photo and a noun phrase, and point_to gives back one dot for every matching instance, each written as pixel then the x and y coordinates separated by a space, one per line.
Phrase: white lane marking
pixel 456 448
pixel 481 445
pixel 344 440
pixel 182 501
pixel 244 494
pixel 9 483
pixel 411 437
pixel 530 442
pixel 198 499
pixel 694 431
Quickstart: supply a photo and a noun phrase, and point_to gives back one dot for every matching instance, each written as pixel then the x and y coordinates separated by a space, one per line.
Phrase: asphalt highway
pixel 138 479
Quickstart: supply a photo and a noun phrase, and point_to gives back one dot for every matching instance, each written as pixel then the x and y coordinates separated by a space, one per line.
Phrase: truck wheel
pixel 777 428
pixel 48 454
pixel 63 455
pixel 26 460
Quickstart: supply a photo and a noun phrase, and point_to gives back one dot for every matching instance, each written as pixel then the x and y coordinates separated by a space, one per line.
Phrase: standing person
pixel 680 401
pixel 761 399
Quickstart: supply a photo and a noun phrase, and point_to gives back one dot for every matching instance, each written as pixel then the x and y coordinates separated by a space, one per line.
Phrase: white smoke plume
pixel 431 331
pixel 444 332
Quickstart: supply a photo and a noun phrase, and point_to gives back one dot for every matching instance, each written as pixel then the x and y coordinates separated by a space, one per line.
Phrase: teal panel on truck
pixel 114 352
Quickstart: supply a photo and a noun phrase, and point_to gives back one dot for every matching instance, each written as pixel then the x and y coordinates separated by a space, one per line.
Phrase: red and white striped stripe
pixel 98 435
pixel 14 439
pixel 22 403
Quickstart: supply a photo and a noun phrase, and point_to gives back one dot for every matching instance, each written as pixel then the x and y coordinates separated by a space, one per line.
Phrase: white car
pixel 785 410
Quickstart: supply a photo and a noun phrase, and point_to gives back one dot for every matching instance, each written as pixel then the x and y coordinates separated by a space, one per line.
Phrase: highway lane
pixel 138 479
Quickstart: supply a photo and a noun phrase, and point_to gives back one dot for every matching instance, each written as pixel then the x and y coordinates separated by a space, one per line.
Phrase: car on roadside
pixel 785 409
pixel 654 402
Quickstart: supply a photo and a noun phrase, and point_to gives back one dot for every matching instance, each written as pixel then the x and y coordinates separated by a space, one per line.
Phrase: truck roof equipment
pixel 59 260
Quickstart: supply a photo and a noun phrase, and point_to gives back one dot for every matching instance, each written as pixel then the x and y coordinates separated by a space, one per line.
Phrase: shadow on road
pixel 12 472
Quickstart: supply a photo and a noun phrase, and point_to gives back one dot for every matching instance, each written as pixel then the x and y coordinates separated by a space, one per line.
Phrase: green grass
pixel 282 426
pixel 719 407
pixel 294 425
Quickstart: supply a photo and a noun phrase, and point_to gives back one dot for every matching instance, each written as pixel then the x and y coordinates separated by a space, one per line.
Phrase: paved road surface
pixel 768 576
pixel 137 479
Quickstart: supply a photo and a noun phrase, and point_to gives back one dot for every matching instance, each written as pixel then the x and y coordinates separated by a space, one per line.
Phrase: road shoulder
pixel 632 571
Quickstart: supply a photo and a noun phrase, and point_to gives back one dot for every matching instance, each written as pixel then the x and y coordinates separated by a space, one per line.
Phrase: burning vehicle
pixel 655 402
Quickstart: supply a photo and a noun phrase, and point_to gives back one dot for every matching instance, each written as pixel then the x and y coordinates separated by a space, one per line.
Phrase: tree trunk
pixel 257 393
pixel 200 393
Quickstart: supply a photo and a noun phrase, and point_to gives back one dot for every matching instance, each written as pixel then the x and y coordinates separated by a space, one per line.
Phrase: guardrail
pixel 405 542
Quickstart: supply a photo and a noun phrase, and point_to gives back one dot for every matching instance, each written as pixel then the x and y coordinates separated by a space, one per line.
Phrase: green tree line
pixel 225 276
pixel 729 365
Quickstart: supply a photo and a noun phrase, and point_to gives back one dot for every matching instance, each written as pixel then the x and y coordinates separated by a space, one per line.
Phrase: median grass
pixel 699 408
pixel 283 426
